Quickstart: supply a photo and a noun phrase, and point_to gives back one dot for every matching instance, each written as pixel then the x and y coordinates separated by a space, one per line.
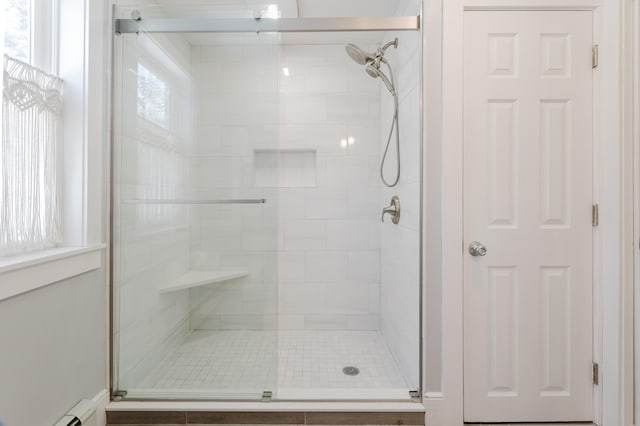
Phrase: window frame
pixel 81 63
pixel 44 35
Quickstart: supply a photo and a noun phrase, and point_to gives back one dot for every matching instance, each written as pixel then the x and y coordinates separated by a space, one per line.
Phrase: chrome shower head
pixel 375 72
pixel 358 55
pixel 373 61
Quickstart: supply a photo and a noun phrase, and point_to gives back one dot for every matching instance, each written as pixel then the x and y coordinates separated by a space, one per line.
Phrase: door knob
pixel 477 249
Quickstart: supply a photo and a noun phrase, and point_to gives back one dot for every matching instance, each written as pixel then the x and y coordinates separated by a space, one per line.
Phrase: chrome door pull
pixel 477 249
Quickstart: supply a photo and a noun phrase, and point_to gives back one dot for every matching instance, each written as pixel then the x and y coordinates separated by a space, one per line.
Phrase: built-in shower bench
pixel 199 278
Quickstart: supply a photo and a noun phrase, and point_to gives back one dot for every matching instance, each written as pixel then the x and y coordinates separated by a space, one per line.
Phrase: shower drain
pixel 351 371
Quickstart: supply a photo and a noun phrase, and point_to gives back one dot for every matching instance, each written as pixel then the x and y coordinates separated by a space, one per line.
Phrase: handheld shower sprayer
pixel 372 63
pixel 374 71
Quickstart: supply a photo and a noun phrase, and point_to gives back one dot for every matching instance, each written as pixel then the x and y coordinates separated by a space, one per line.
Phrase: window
pixel 17 36
pixel 29 158
pixel 153 97
pixel 160 153
pixel 29 34
pixel 79 169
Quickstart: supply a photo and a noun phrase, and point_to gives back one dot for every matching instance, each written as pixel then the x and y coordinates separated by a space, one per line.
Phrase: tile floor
pixel 245 362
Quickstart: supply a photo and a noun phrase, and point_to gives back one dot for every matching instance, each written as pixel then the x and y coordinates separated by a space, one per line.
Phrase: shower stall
pixel 249 258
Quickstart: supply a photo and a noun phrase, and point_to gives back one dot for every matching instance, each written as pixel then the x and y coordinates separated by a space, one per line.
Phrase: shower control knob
pixel 393 210
pixel 477 249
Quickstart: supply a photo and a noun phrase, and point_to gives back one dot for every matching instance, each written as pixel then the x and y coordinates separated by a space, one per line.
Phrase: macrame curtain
pixel 31 120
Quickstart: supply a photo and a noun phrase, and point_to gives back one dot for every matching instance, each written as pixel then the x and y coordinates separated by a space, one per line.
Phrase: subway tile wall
pixel 152 144
pixel 400 254
pixel 313 250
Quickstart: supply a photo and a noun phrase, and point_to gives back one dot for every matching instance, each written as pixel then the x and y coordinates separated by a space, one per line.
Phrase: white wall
pixel 316 240
pixel 53 340
pixel 401 243
pixel 53 349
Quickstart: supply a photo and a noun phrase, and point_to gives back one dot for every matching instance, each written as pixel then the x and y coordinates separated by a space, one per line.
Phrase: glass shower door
pixel 195 230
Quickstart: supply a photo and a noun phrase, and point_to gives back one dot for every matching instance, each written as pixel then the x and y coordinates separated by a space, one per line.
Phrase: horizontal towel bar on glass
pixel 228 201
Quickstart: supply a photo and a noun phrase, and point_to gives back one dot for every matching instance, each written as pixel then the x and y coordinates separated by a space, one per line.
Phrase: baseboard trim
pixel 102 400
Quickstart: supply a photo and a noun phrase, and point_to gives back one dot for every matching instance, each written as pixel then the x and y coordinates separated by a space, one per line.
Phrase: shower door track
pixel 386 23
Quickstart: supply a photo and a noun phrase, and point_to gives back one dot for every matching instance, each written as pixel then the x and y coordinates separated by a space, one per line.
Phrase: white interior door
pixel 528 198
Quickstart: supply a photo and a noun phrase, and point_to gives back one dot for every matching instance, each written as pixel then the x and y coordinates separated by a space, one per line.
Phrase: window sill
pixel 20 274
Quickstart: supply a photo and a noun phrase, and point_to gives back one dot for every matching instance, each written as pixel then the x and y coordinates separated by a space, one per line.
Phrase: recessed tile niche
pixel 285 168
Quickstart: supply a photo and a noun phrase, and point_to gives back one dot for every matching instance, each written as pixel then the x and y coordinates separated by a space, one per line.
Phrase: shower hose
pixel 394 125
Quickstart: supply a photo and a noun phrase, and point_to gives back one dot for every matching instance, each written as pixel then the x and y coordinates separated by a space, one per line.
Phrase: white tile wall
pixel 320 225
pixel 326 203
pixel 400 243
pixel 350 234
pixel 325 266
pixel 284 168
pixel 151 243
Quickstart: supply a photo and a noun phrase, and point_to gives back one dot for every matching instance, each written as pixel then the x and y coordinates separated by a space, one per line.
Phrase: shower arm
pixel 393 43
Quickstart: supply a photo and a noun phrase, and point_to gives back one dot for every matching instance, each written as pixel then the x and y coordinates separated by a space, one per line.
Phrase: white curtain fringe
pixel 29 208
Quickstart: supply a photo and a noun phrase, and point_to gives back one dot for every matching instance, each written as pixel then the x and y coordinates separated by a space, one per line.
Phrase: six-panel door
pixel 528 198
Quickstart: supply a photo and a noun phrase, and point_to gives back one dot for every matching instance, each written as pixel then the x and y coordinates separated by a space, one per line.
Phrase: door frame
pixel 612 156
pixel 636 206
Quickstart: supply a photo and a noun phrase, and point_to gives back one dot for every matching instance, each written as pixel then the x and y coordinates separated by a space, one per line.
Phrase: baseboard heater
pixel 80 414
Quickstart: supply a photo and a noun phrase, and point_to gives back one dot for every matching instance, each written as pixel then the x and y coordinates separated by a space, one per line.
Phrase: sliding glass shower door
pixel 249 256
pixel 195 216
